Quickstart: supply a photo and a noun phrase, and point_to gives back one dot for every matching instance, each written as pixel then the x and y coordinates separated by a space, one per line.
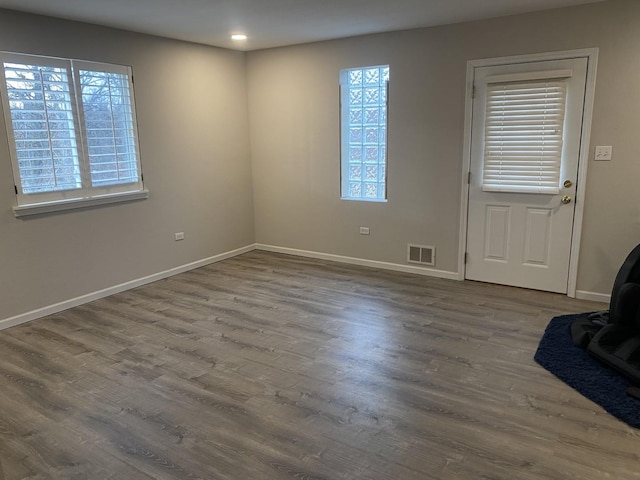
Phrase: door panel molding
pixel 535 252
pixel 591 55
pixel 496 240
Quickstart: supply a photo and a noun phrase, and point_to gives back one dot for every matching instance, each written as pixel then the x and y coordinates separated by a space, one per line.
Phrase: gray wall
pixel 294 112
pixel 198 155
pixel 193 127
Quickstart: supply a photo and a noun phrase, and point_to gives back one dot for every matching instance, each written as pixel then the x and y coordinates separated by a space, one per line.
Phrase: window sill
pixel 368 200
pixel 60 206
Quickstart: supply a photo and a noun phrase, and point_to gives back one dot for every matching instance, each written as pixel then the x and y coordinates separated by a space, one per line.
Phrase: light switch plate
pixel 603 153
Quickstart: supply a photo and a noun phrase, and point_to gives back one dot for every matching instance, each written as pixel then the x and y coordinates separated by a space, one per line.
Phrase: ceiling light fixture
pixel 238 36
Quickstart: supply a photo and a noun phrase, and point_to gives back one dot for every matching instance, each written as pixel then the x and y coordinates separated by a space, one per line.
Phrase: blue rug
pixel 578 369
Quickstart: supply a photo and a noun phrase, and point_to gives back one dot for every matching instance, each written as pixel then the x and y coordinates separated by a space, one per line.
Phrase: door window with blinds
pixel 71 127
pixel 523 137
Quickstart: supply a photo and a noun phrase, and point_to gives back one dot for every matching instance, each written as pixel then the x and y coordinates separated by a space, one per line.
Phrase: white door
pixel 527 122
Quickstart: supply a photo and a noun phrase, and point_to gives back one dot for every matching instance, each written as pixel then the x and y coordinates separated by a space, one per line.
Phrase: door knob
pixel 566 199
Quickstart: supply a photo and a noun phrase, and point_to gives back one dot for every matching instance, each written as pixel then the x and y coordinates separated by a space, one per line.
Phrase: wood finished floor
pixel 269 366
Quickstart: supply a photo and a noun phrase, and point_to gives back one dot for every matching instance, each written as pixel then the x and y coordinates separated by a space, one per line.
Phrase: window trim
pixel 77 203
pixel 87 195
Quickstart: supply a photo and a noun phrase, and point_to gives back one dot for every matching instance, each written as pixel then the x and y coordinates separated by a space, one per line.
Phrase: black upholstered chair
pixel 617 343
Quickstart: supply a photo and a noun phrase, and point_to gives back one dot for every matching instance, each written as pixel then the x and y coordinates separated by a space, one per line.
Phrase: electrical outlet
pixel 603 153
pixel 178 236
pixel 364 230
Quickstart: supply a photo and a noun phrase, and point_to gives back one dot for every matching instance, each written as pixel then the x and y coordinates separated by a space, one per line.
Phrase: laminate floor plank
pixel 268 366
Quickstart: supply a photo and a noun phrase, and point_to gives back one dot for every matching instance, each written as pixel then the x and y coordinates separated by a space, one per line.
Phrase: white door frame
pixel 591 54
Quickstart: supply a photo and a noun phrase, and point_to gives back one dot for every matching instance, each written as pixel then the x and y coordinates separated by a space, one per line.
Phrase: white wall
pixel 193 127
pixel 294 114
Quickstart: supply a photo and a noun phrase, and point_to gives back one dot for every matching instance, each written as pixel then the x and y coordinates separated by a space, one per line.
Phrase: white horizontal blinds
pixel 109 127
pixel 523 136
pixel 40 105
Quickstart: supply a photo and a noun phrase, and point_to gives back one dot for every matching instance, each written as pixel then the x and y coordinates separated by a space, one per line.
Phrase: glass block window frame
pixel 364 102
pixel 72 130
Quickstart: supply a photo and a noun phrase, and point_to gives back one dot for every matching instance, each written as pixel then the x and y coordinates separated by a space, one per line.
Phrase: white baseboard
pixel 90 297
pixel 594 297
pixel 429 272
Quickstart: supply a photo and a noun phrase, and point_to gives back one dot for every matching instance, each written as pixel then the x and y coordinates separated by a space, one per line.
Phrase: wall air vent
pixel 421 254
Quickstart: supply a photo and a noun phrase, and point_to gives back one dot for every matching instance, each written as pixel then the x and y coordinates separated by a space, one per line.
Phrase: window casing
pixel 72 130
pixel 364 97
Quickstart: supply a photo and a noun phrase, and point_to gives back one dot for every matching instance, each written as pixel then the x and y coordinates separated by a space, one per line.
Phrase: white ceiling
pixel 273 23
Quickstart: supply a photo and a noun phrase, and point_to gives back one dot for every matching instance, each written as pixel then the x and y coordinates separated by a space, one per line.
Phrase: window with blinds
pixel 523 136
pixel 73 128
pixel 109 127
pixel 44 134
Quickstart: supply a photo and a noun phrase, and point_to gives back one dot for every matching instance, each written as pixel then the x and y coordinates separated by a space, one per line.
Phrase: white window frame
pixel 345 124
pixel 87 195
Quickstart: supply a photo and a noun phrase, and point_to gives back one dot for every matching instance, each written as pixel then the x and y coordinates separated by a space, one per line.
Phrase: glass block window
pixel 364 93
pixel 72 126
